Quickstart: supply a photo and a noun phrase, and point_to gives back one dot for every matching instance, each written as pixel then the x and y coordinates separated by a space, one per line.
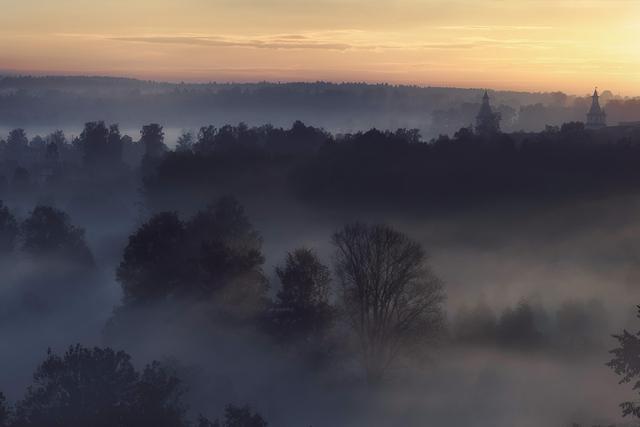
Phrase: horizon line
pixel 36 74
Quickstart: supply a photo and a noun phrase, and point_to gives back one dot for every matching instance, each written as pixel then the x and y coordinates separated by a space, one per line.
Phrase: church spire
pixel 487 121
pixel 596 117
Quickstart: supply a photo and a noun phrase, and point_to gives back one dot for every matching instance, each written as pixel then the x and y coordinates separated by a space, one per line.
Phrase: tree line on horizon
pixel 397 168
pixel 26 101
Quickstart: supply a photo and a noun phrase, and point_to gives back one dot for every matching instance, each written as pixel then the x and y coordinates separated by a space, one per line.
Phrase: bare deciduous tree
pixel 391 297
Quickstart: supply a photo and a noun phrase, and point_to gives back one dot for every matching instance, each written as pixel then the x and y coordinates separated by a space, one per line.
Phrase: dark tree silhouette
pixel 572 127
pixel 215 254
pixel 17 138
pixel 114 146
pixel 228 245
pixel 517 328
pixel 185 142
pixel 154 263
pixel 236 416
pixel 626 363
pixel 206 140
pixel 101 146
pixel 100 387
pixel 5 412
pixel 52 153
pixel 58 138
pixel 48 231
pixel 302 310
pixel 233 159
pixel 227 251
pixel 205 422
pixel 158 398
pixel 38 144
pixel 391 297
pixel 94 141
pixel 17 144
pixel 8 229
pixel 152 137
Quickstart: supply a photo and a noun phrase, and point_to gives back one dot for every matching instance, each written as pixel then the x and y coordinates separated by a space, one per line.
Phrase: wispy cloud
pixel 494 28
pixel 339 40
pixel 291 41
pixel 301 41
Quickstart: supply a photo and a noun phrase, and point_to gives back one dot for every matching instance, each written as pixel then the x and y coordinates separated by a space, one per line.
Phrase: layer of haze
pixel 517 44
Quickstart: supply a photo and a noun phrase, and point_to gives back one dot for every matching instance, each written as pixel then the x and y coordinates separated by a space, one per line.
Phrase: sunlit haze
pixel 568 45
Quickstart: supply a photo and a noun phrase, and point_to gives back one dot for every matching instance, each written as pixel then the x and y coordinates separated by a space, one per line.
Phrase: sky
pixel 535 45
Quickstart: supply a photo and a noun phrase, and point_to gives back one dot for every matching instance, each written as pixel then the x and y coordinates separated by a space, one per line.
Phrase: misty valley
pixel 353 267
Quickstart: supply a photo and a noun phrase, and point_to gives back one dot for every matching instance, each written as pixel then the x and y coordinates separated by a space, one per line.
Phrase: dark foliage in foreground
pixel 100 387
pixel 236 416
pixel 626 363
pixel 5 413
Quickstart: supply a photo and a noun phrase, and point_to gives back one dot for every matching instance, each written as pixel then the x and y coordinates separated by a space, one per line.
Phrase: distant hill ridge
pixel 61 101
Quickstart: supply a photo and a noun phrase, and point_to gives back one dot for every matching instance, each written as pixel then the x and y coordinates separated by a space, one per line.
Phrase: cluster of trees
pixel 237 159
pixel 385 290
pixel 98 145
pixel 101 387
pixel 102 158
pixel 398 168
pixel 574 327
pixel 96 173
pixel 100 149
pixel 54 167
pixel 297 140
pixel 24 161
pixel 46 232
pixel 379 166
pixel 309 163
pixel 214 255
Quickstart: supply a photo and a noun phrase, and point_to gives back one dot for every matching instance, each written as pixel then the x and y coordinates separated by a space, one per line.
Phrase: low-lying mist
pixel 499 256
pixel 188 256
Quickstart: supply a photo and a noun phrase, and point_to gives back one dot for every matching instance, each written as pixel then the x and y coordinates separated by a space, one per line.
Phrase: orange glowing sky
pixel 568 45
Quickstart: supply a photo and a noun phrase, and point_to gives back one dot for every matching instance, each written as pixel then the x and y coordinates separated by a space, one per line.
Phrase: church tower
pixel 596 117
pixel 487 122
